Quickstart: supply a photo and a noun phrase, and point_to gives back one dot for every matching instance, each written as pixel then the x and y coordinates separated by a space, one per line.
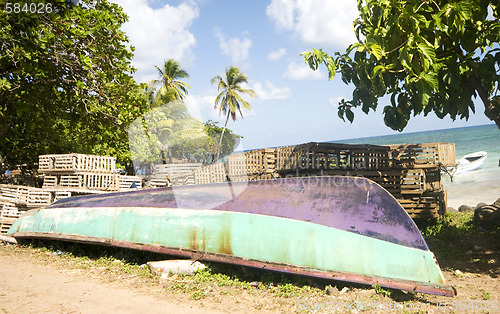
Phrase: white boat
pixel 469 162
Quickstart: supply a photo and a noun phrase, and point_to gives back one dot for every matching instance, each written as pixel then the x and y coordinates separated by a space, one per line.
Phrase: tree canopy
pixel 66 82
pixel 427 56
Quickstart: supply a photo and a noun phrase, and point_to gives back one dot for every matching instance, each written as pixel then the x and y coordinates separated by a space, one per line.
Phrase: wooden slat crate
pixel 251 164
pixel 211 174
pixel 125 182
pixel 237 166
pixel 174 170
pixel 159 181
pixel 428 205
pixel 433 179
pixel 260 161
pixel 427 155
pixel 75 163
pixel 59 195
pixel 389 180
pixel 91 181
pixel 421 180
pixel 9 212
pixel 332 156
pixel 446 154
pixel 39 198
pixel 413 181
pixel 99 181
pixel 72 181
pixel 16 194
pixel 50 181
pixel 185 179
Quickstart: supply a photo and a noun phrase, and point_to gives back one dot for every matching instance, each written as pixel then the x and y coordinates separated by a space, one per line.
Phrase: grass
pixel 452 235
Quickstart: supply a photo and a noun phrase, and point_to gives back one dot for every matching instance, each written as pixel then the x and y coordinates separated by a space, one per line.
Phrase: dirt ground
pixel 35 281
pixel 28 284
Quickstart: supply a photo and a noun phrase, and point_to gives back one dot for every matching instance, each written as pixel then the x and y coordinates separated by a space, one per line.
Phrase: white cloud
pixel 159 34
pixel 201 107
pixel 317 22
pixel 301 71
pixel 276 55
pixel 235 48
pixel 268 91
pixel 334 102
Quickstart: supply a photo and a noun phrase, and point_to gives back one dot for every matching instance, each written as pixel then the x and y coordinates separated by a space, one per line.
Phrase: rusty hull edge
pixel 413 286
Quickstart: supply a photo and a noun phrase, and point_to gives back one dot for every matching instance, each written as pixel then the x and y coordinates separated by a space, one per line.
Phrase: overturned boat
pixel 340 228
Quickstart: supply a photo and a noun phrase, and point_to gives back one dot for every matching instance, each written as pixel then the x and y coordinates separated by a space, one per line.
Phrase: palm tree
pixel 170 75
pixel 229 97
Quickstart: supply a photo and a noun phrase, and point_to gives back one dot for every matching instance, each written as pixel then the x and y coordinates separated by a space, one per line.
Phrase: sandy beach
pixel 472 189
pixel 472 193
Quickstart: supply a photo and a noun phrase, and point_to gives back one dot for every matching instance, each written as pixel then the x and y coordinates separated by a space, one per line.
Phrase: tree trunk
pixel 489 110
pixel 219 147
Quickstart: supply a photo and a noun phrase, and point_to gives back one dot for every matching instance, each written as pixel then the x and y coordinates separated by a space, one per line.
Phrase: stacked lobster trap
pixel 64 175
pixel 422 193
pixel 411 173
pixel 17 199
pixel 81 173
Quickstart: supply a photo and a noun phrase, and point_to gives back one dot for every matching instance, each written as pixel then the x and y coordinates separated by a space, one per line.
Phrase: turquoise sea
pixel 467 140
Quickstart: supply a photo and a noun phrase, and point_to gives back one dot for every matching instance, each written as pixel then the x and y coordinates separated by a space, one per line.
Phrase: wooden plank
pixel 446 153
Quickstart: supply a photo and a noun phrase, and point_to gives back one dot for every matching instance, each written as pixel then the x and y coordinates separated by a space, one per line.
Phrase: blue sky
pixel 264 39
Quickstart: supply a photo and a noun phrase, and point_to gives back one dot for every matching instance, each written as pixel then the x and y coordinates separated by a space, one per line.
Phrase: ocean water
pixel 467 140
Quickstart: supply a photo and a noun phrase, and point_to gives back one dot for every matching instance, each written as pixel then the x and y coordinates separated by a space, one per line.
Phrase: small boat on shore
pixel 340 228
pixel 469 162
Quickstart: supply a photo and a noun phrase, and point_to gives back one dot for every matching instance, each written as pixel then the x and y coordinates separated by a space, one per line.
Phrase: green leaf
pixel 330 64
pixel 376 50
pixel 432 81
pixel 425 47
pixel 349 114
pixel 377 70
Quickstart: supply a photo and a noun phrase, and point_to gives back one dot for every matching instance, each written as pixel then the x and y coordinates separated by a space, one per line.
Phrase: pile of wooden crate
pixel 422 193
pixel 17 199
pixel 65 175
pixel 257 164
pixel 80 173
pixel 411 173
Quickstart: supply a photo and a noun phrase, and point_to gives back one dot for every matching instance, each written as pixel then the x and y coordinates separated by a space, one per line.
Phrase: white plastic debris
pixel 179 267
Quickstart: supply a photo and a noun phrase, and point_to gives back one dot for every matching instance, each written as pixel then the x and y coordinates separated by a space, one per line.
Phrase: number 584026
pixel 38 8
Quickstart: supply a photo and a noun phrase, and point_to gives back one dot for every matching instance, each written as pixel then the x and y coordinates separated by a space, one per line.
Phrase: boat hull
pixel 464 165
pixel 266 241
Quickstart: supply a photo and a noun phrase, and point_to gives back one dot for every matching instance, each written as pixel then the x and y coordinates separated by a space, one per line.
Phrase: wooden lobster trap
pixel 331 156
pixel 75 163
